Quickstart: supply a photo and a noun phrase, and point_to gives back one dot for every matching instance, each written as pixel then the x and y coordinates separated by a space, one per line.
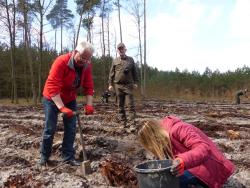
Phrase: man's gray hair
pixel 83 45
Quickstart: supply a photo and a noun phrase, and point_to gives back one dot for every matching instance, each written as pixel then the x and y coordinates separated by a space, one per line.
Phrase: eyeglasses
pixel 121 48
pixel 83 59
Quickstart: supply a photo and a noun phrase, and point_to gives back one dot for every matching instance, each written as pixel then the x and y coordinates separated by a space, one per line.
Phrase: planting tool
pixel 85 166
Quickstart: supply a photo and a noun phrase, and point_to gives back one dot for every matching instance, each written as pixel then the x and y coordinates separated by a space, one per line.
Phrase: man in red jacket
pixel 68 73
pixel 196 159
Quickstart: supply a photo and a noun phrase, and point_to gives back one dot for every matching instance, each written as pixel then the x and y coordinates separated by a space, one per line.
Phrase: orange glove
pixel 88 109
pixel 177 168
pixel 67 112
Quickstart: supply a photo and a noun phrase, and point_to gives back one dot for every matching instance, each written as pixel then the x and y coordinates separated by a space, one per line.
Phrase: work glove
pixel 177 168
pixel 88 109
pixel 67 112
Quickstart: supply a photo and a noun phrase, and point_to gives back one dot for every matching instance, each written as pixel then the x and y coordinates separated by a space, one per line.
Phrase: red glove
pixel 177 168
pixel 88 109
pixel 67 112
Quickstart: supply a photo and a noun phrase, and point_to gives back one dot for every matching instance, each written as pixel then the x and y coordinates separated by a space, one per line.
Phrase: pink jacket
pixel 201 156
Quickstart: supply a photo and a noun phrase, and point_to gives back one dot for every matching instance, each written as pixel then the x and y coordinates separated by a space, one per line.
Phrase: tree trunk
pixel 14 52
pixel 79 26
pixel 103 36
pixel 41 58
pixel 89 30
pixel 119 16
pixel 28 54
pixel 140 51
pixel 104 53
pixel 61 38
pixel 11 28
pixel 136 12
pixel 145 50
pixel 55 39
pixel 103 39
pixel 108 36
pixel 26 83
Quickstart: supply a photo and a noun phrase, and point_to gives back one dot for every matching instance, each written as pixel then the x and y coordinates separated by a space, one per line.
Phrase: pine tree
pixel 60 17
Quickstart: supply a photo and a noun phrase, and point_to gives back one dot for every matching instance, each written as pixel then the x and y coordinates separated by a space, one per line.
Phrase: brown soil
pixel 113 150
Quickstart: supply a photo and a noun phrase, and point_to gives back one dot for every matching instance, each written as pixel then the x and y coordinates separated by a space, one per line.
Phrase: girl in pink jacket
pixel 196 159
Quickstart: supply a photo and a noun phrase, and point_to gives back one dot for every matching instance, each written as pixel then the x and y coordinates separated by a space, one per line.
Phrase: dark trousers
pixel 51 116
pixel 237 99
pixel 105 99
pixel 188 180
pixel 123 95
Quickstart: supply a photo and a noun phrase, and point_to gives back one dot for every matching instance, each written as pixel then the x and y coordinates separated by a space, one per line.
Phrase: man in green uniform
pixel 240 93
pixel 123 77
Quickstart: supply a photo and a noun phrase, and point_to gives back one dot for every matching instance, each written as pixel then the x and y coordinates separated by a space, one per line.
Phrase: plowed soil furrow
pixel 21 130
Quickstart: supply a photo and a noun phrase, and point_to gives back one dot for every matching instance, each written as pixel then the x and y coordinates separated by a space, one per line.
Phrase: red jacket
pixel 201 156
pixel 62 76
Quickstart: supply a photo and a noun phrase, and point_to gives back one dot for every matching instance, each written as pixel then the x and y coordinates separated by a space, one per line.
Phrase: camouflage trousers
pixel 237 99
pixel 125 96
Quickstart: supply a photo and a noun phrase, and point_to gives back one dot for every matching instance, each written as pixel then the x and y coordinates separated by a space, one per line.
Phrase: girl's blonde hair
pixel 155 139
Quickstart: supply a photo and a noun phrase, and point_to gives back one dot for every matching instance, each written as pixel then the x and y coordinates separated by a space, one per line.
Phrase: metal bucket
pixel 156 174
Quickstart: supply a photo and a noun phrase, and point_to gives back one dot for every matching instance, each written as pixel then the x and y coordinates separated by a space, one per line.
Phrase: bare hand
pixel 110 88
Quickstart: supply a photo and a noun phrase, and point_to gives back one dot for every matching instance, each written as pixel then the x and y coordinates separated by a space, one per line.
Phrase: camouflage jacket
pixel 123 71
pixel 241 92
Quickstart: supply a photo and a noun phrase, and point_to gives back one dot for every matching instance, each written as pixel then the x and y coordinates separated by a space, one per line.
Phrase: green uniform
pixel 123 75
pixel 238 94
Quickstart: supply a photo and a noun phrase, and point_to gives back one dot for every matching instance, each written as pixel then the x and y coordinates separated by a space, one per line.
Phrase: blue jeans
pixel 188 180
pixel 51 116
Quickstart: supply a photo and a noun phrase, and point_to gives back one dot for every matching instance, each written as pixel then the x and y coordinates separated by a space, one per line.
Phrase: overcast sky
pixel 184 34
pixel 193 34
pixel 187 34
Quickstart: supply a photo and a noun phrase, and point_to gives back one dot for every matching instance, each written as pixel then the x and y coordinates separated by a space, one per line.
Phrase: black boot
pixel 43 162
pixel 131 119
pixel 74 162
